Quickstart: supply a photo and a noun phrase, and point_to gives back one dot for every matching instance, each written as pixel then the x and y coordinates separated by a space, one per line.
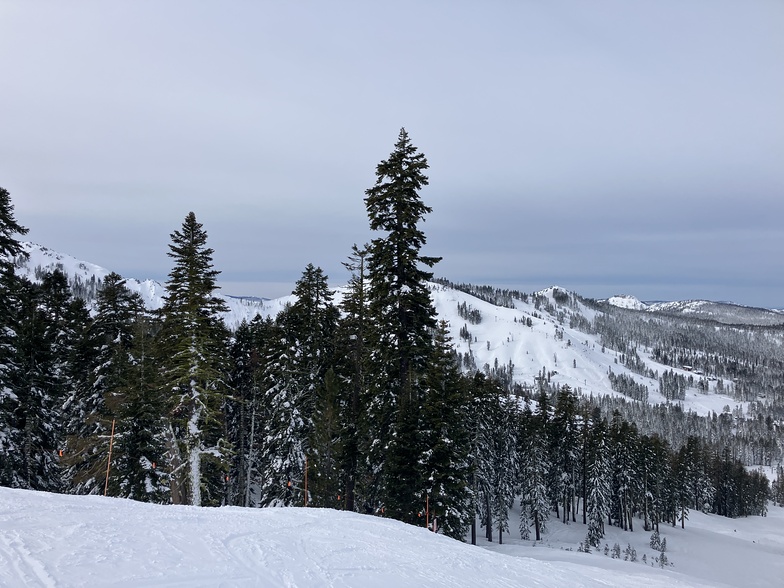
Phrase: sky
pixel 607 147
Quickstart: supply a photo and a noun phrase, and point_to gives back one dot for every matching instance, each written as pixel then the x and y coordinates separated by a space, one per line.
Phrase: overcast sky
pixel 608 147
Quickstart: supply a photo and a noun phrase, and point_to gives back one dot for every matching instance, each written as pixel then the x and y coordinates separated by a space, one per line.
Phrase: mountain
pixel 85 278
pixel 626 301
pixel 721 312
pixel 726 313
pixel 586 344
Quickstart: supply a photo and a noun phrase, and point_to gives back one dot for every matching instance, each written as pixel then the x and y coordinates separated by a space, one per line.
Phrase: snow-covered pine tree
pixel 599 479
pixel 140 470
pixel 192 345
pixel 565 434
pixel 484 396
pixel 41 383
pixel 311 325
pixel 506 463
pixel 10 320
pixel 624 442
pixel 282 443
pixel 352 368
pixel 403 318
pixel 245 416
pixel 535 467
pixel 446 439
pixel 89 417
pixel 300 355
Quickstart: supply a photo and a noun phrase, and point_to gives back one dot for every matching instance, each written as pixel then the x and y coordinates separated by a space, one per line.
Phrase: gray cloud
pixel 609 147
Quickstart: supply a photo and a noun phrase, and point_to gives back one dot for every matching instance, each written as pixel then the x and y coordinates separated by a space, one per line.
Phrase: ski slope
pixel 70 541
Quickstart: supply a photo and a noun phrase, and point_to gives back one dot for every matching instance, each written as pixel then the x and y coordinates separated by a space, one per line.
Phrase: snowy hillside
pixel 84 279
pixel 550 344
pixel 70 541
pixel 722 312
pixel 627 301
pixel 533 336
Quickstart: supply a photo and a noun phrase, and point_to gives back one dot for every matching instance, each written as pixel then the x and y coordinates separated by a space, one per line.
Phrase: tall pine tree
pixel 403 318
pixel 192 347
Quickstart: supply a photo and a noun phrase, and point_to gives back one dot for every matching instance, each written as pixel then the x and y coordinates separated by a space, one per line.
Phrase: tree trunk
pixel 175 462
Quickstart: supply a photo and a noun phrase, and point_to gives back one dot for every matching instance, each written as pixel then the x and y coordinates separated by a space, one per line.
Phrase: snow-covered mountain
pixel 721 312
pixel 70 541
pixel 726 313
pixel 517 334
pixel 85 278
pixel 626 301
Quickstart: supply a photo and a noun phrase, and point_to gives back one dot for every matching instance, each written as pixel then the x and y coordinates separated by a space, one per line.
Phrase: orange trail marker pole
pixel 109 461
pixel 306 481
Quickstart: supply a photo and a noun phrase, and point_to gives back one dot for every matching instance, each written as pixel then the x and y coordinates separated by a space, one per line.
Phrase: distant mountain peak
pixel 626 301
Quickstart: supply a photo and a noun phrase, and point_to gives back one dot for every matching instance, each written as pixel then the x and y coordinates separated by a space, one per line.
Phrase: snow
pixel 626 301
pixel 576 358
pixel 69 541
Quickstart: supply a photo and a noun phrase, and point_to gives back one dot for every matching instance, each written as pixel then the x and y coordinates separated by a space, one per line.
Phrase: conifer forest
pixel 362 401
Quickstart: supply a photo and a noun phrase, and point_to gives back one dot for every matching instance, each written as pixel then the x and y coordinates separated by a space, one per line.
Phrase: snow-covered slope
pixel 533 336
pixel 551 345
pixel 722 312
pixel 85 277
pixel 626 301
pixel 70 541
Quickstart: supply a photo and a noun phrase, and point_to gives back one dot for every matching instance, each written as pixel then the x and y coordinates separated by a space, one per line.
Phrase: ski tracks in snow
pixel 17 559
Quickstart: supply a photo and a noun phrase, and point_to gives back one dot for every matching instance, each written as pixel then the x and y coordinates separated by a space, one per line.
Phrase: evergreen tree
pixel 352 363
pixel 446 439
pixel 599 479
pixel 282 448
pixel 10 250
pixel 566 450
pixel 297 397
pixel 192 347
pixel 403 317
pixel 245 414
pixel 40 386
pixel 535 467
pixel 139 468
pixel 90 419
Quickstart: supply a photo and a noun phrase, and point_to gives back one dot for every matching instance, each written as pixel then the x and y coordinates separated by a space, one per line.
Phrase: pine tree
pixel 535 470
pixel 140 470
pixel 40 385
pixel 10 250
pixel 446 439
pixel 299 358
pixel 245 417
pixel 191 346
pixel 282 448
pixel 599 479
pixel 403 317
pixel 566 454
pixel 352 364
pixel 89 418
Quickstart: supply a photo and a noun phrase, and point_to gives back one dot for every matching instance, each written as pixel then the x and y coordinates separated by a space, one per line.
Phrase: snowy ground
pixel 54 540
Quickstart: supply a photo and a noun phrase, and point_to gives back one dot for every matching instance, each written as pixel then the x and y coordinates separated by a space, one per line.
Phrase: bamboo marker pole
pixel 109 461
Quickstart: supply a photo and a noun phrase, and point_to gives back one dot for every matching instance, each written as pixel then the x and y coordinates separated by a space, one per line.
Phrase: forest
pixel 364 404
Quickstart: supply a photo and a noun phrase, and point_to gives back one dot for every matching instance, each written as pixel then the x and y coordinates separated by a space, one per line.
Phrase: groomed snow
pixel 68 541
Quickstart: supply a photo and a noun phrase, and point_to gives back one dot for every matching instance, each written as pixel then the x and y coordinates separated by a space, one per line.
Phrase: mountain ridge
pixel 544 334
